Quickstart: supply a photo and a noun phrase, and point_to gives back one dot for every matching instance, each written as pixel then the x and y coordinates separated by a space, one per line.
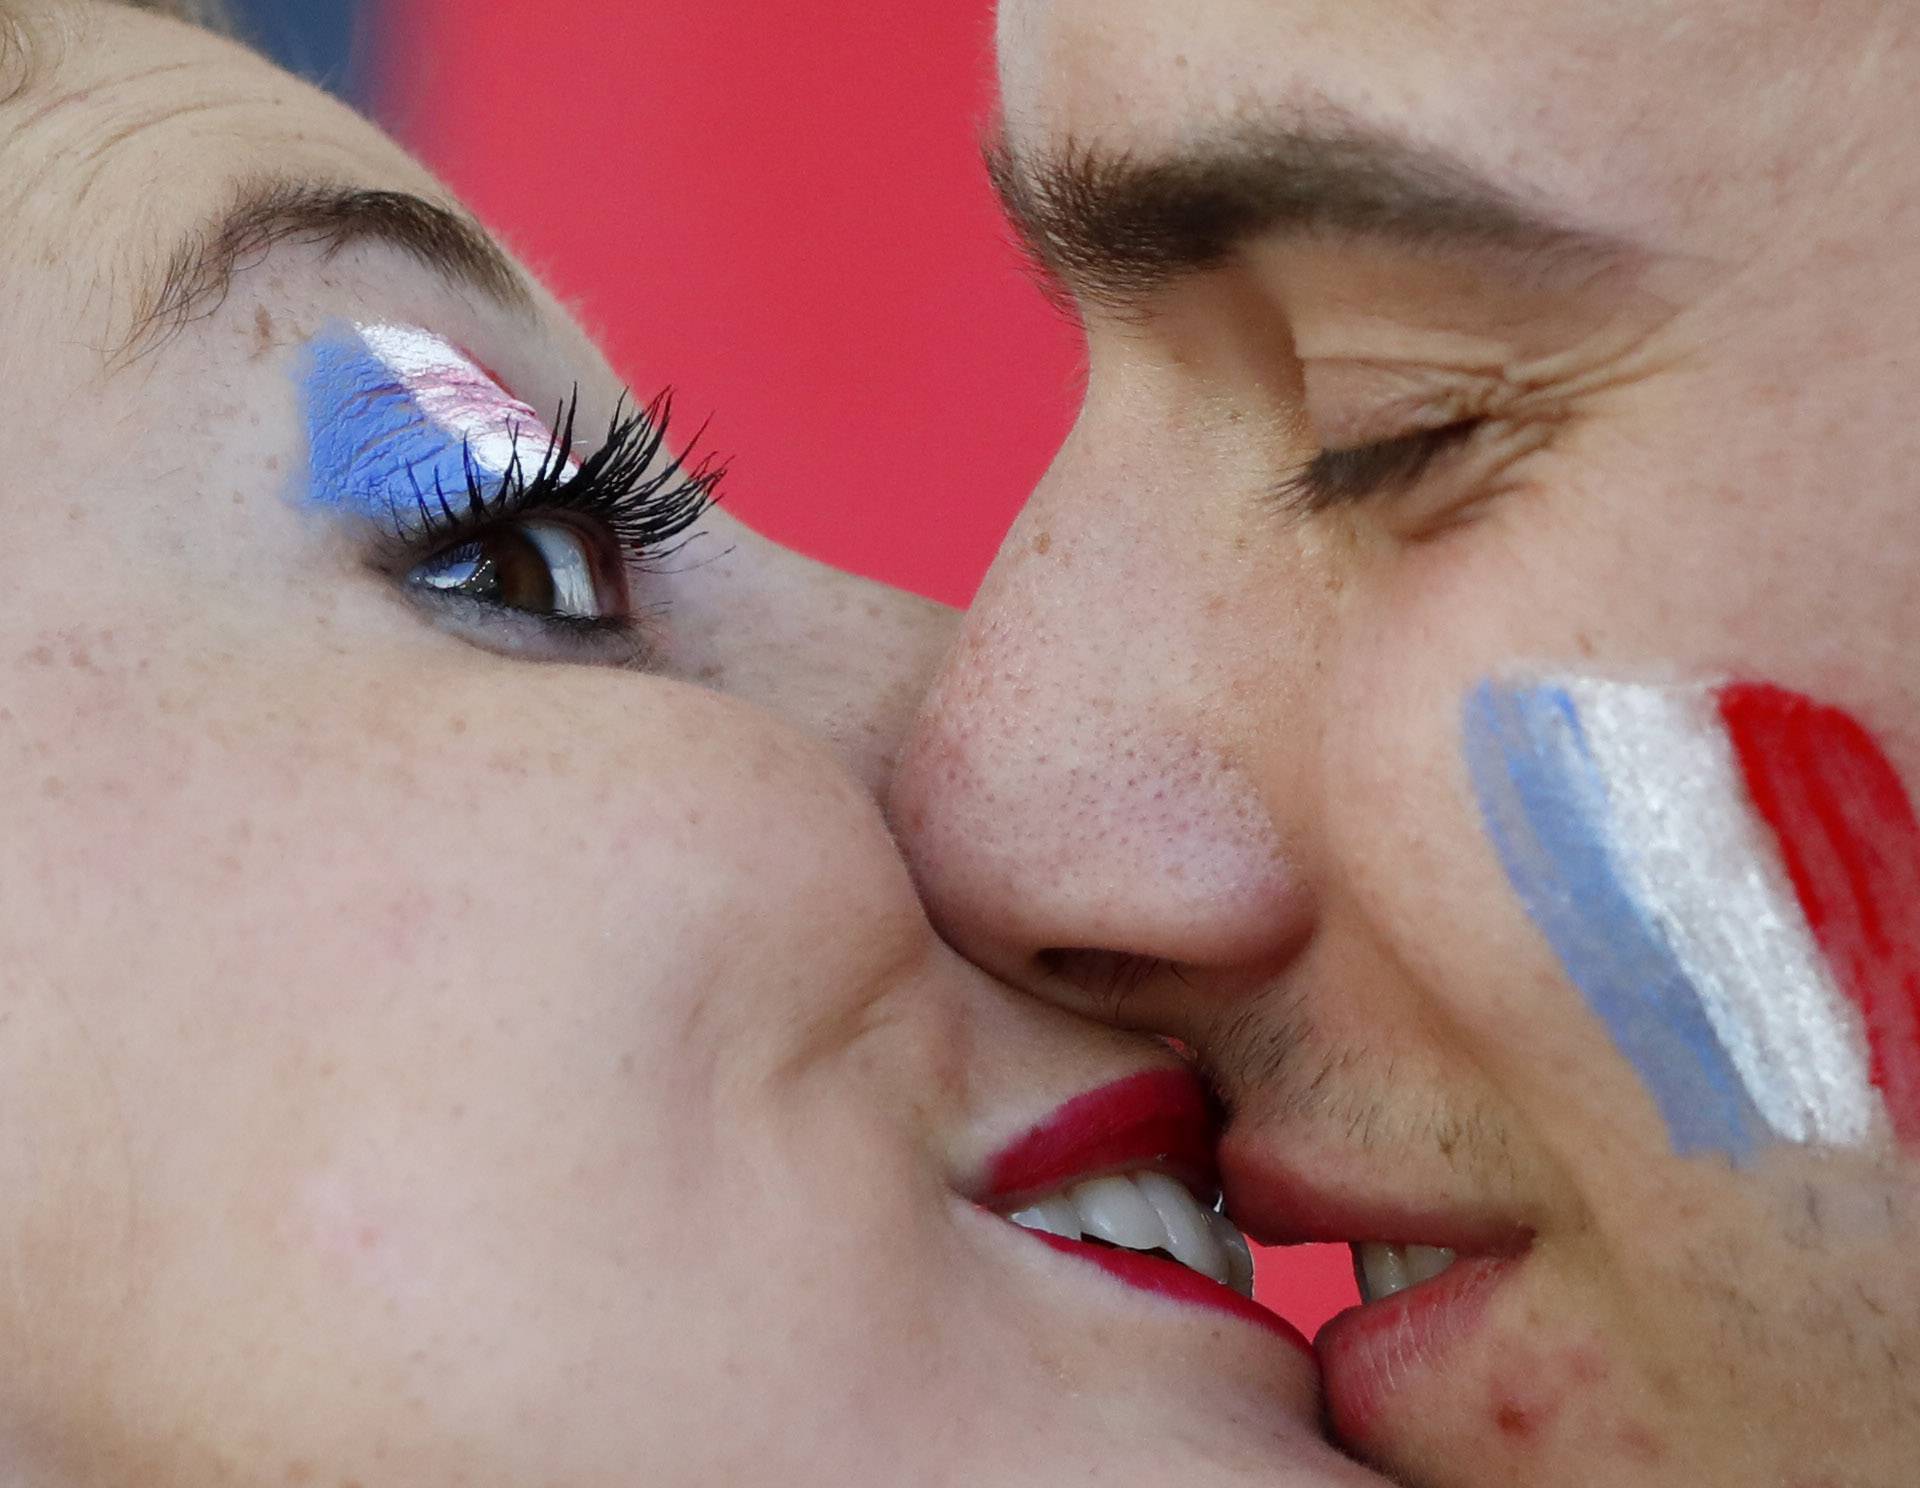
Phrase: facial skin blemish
pixel 397 420
pixel 1731 877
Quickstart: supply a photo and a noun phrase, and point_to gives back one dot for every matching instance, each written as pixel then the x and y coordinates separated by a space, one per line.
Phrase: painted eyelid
pixel 402 426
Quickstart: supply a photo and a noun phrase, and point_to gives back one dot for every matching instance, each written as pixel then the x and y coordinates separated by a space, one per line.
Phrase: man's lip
pixel 1369 1353
pixel 1276 1203
pixel 1159 1119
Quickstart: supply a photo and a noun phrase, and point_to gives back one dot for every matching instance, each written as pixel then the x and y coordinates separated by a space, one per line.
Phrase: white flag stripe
pixel 461 398
pixel 1698 859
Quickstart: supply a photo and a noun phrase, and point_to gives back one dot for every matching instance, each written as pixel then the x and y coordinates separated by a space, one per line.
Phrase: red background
pixel 780 208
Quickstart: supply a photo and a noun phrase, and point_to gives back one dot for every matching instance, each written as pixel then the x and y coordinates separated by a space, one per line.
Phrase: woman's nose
pixel 1077 781
pixel 844 658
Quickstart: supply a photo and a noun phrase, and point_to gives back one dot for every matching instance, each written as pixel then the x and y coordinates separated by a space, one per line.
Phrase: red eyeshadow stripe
pixel 1852 847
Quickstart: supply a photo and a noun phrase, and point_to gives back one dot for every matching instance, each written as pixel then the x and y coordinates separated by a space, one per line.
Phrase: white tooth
pixel 1189 1235
pixel 1056 1216
pixel 1112 1209
pixel 1239 1253
pixel 1383 1269
pixel 1424 1262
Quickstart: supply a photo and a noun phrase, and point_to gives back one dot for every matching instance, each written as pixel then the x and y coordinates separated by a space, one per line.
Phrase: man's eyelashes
pixel 1345 477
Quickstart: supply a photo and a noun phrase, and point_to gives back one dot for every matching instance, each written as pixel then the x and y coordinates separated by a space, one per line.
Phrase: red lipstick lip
pixel 1149 1273
pixel 1161 1119
pixel 1369 1353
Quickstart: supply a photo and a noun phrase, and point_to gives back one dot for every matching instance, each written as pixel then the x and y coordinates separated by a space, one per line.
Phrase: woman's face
pixel 440 1043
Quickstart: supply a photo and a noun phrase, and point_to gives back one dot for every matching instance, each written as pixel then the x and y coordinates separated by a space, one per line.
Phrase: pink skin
pixel 428 1055
pixel 1194 762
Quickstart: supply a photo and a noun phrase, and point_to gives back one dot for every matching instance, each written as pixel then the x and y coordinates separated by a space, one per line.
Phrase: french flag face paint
pixel 397 419
pixel 1731 877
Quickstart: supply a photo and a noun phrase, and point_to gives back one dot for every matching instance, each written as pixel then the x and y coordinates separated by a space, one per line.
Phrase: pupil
pixel 499 568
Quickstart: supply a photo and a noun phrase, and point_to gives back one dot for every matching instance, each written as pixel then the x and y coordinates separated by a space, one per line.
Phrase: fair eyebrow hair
pixel 198 274
pixel 1117 228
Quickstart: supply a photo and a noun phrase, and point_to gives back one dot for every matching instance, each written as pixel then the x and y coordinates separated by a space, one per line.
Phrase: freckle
pixel 457 724
pixel 1583 643
pixel 627 1063
pixel 1043 544
pixel 53 787
pixel 368 1237
pixel 273 462
pixel 41 655
pixel 299 1472
pixel 263 326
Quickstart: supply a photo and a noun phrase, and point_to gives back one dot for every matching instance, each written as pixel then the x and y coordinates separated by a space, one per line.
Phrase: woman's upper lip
pixel 1277 1202
pixel 1161 1119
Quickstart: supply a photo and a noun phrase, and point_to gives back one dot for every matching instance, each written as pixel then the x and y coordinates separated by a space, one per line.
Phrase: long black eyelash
pixel 649 511
pixel 1343 477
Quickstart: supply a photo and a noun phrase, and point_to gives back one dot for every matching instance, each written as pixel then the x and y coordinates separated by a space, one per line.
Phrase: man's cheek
pixel 1730 875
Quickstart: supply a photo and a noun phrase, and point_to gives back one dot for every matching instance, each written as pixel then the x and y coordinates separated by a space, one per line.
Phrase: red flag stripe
pixel 1847 833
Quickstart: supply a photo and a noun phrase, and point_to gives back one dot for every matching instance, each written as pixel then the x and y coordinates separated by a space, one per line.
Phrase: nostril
pixel 1105 983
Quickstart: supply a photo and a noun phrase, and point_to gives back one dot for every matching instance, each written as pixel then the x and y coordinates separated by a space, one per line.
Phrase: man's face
pixel 1455 678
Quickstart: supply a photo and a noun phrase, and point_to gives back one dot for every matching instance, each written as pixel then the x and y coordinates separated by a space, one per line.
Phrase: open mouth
pixel 1384 1271
pixel 1426 1267
pixel 1152 1214
pixel 1124 1178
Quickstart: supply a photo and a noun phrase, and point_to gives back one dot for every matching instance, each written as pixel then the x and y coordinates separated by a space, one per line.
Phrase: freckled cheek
pixel 358 1237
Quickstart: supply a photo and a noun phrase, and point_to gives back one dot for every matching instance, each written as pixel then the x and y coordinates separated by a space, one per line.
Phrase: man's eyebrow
pixel 199 273
pixel 1117 227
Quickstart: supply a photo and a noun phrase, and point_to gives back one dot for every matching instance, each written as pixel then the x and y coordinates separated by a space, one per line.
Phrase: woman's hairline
pixel 212 14
pixel 24 33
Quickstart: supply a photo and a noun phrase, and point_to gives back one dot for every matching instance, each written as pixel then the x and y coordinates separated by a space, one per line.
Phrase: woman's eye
pixel 538 566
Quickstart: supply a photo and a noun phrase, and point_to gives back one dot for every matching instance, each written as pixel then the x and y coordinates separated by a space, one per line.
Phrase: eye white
pixel 567 559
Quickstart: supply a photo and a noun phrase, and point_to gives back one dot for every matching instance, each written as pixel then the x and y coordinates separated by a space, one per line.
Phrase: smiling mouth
pixel 1384 1271
pixel 1124 1178
pixel 1151 1213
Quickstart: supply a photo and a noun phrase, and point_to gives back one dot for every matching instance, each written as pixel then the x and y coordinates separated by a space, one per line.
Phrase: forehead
pixel 1596 105
pixel 102 103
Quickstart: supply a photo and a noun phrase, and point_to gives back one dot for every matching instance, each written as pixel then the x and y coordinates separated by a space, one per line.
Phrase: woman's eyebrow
pixel 198 274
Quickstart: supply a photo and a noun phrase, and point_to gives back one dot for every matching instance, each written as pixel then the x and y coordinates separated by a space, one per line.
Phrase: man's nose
pixel 1081 778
